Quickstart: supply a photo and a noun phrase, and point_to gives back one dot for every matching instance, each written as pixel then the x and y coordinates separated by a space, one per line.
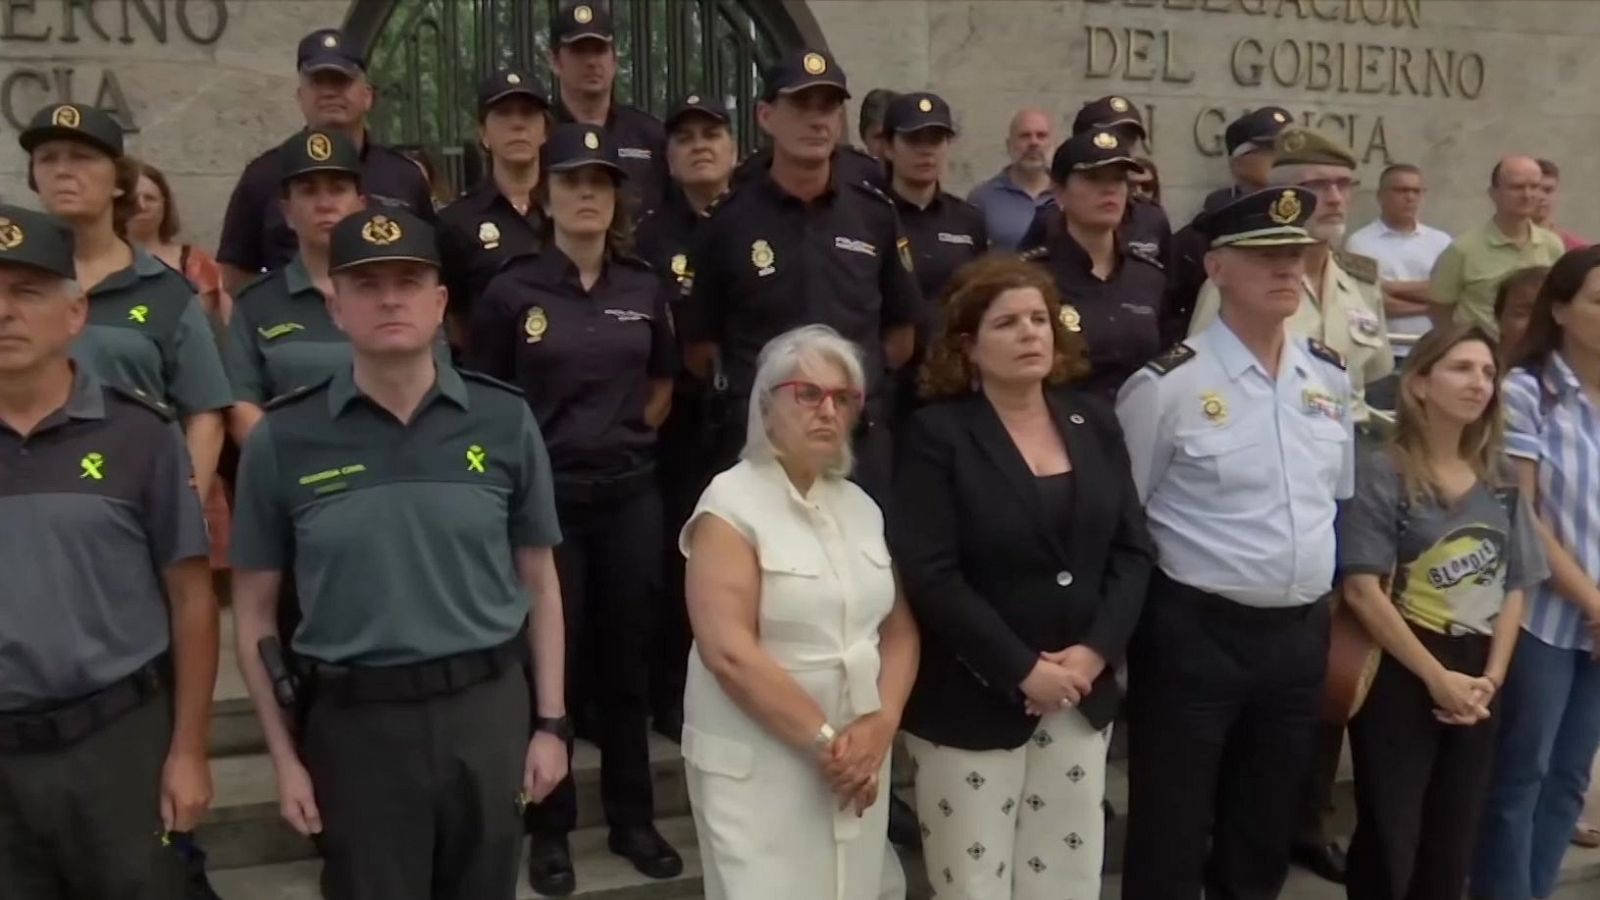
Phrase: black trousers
pixel 609 562
pixel 419 800
pixel 683 469
pixel 1420 784
pixel 1222 706
pixel 84 822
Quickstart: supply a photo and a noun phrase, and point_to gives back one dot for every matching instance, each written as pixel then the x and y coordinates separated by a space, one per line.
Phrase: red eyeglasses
pixel 810 395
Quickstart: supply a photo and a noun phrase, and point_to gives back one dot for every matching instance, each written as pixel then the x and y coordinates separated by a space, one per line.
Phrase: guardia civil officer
pixel 700 155
pixel 334 95
pixel 1241 442
pixel 1112 288
pixel 108 626
pixel 147 330
pixel 799 243
pixel 413 504
pixel 496 220
pixel 583 58
pixel 281 337
pixel 583 328
pixel 1145 226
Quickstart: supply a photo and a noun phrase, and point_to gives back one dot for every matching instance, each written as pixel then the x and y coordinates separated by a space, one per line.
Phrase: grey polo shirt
pixel 401 536
pixel 94 504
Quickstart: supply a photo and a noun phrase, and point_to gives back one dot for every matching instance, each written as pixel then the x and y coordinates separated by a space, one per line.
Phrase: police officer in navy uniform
pixel 583 57
pixel 1242 442
pixel 108 624
pixel 583 328
pixel 799 244
pixel 497 220
pixel 1112 289
pixel 334 95
pixel 414 506
pixel 700 154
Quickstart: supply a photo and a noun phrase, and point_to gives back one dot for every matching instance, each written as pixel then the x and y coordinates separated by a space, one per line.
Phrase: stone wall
pixel 1447 84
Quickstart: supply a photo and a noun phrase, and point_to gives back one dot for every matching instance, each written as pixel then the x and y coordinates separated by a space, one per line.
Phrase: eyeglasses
pixel 809 395
pixel 1329 185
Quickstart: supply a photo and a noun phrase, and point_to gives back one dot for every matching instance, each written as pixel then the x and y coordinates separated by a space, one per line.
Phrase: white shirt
pixel 1240 472
pixel 1401 256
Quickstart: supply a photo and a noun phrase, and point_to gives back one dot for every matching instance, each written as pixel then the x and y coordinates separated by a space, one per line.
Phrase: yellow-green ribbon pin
pixel 91 465
pixel 475 458
pixel 139 313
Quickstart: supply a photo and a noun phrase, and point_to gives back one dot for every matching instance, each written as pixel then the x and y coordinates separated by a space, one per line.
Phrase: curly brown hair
pixel 948 372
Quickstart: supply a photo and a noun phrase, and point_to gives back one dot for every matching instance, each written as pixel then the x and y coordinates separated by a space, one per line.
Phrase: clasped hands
pixel 1461 699
pixel 852 762
pixel 1060 680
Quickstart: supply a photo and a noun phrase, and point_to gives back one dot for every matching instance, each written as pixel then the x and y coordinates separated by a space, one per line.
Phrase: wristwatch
pixel 560 726
pixel 824 737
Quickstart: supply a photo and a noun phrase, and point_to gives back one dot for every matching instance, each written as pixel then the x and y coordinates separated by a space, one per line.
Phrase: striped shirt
pixel 1550 420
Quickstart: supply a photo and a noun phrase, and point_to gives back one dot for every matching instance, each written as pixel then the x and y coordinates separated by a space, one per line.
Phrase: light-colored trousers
pixel 1023 824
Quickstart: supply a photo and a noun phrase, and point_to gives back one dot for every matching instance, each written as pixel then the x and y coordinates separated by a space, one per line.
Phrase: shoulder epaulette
pixel 1325 353
pixel 515 258
pixel 717 201
pixel 1035 254
pixel 1361 268
pixel 253 283
pixel 298 393
pixel 633 261
pixel 490 380
pixel 870 189
pixel 1146 254
pixel 140 398
pixel 1175 356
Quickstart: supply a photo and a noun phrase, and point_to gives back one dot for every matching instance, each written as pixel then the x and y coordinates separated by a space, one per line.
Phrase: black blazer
pixel 983 565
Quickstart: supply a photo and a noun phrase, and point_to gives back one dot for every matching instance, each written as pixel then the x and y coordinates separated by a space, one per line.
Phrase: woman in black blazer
pixel 1024 554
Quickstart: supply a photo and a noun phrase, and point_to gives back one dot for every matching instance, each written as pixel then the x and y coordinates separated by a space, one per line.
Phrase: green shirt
pixel 401 537
pixel 1467 274
pixel 147 332
pixel 281 337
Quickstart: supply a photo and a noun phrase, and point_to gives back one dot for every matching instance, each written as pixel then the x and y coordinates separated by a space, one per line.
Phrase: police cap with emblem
pixel 507 83
pixel 1092 149
pixel 574 145
pixel 581 22
pixel 327 50
pixel 697 104
pixel 385 234
pixel 36 240
pixel 317 150
pixel 799 70
pixel 1255 130
pixel 1297 146
pixel 73 122
pixel 917 111
pixel 1108 112
pixel 1275 217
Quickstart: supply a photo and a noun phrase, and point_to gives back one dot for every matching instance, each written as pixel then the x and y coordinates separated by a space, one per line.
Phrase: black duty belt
pixel 414 682
pixel 600 489
pixel 1218 606
pixel 48 730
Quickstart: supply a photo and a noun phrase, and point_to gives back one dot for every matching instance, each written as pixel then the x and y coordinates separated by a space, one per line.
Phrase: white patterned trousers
pixel 1023 824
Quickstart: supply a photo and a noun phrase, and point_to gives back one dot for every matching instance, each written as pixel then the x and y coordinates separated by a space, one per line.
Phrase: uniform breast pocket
pixel 1231 456
pixel 793 590
pixel 1325 449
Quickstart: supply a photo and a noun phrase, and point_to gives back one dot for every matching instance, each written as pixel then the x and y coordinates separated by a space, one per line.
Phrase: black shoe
pixel 649 852
pixel 904 830
pixel 550 865
pixel 1326 861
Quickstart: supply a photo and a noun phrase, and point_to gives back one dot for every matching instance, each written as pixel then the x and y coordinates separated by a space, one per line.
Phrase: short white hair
pixel 781 359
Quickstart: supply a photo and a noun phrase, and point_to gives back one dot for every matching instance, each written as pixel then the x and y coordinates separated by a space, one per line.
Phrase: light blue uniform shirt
pixel 1241 473
pixel 1555 425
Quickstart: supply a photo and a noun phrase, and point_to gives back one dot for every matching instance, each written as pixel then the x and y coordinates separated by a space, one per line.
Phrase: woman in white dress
pixel 805 651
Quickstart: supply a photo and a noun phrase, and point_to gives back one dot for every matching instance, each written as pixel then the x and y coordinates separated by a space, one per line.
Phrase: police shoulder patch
pixel 1035 254
pixel 491 381
pixel 1325 353
pixel 299 393
pixel 1175 356
pixel 1361 268
pixel 140 398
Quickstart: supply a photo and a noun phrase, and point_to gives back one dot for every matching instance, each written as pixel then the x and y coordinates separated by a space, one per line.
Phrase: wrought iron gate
pixel 426 58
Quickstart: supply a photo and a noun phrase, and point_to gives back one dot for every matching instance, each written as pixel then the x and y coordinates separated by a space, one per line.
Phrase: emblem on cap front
pixel 925 105
pixel 815 64
pixel 330 41
pixel 591 140
pixel 319 148
pixel 11 235
pixel 1070 320
pixel 1286 209
pixel 513 78
pixel 1280 118
pixel 1294 143
pixel 381 231
pixel 1105 140
pixel 489 235
pixel 583 15
pixel 1119 105
pixel 693 99
pixel 66 117
pixel 535 325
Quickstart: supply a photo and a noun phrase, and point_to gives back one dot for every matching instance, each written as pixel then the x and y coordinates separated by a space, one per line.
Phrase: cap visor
pixel 1127 161
pixel 37 267
pixel 1274 237
pixel 330 64
pixel 329 167
pixel 572 164
pixel 808 85
pixel 689 113
pixel 398 257
pixel 530 93
pixel 909 127
pixel 590 35
pixel 33 137
pixel 1253 145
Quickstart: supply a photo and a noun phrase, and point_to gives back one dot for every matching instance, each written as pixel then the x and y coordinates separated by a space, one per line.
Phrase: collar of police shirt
pixel 343 391
pixel 144 266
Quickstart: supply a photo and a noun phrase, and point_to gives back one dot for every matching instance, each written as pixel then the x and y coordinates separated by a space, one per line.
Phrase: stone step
pixel 243 827
pixel 601 875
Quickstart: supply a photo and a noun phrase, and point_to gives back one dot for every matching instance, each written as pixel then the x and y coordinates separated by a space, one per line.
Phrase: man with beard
pixel 1011 198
